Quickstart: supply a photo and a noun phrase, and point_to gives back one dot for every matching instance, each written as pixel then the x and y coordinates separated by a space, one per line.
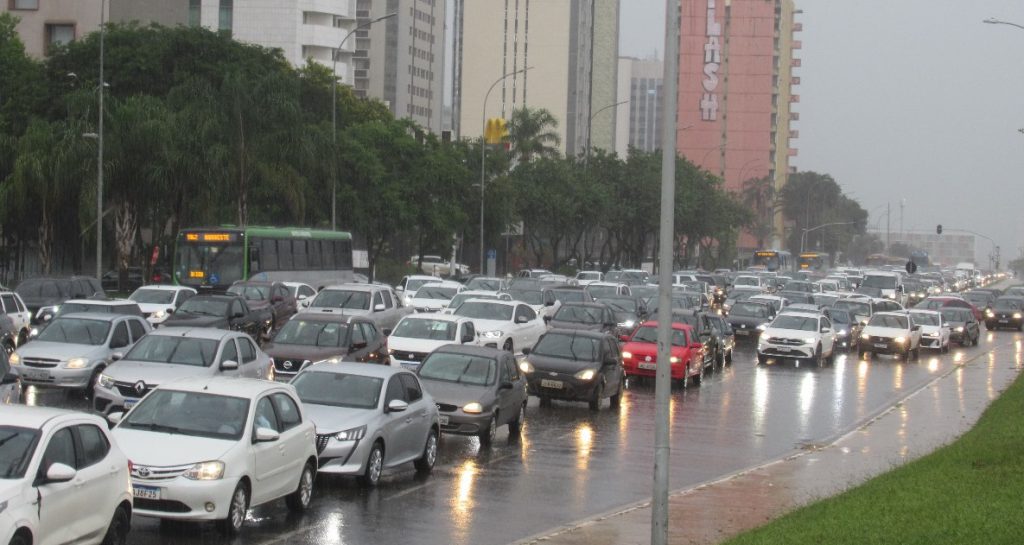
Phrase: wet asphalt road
pixel 571 463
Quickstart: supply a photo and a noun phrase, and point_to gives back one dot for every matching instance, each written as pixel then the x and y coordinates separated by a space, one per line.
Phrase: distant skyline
pixel 915 100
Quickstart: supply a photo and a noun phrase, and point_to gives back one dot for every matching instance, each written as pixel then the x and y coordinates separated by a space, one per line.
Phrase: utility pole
pixel 903 203
pixel 888 230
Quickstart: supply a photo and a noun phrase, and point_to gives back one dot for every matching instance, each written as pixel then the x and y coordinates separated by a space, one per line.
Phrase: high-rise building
pixel 736 92
pixel 639 121
pixel 570 48
pixel 45 23
pixel 400 60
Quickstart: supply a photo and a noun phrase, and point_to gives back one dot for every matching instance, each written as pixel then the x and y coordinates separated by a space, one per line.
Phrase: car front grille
pixel 787 342
pixel 880 340
pixel 409 356
pixel 128 390
pixel 321 442
pixel 288 365
pixel 165 506
pixel 152 473
pixel 45 363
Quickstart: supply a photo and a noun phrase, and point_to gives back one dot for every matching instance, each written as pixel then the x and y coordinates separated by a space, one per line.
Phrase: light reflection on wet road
pixel 571 463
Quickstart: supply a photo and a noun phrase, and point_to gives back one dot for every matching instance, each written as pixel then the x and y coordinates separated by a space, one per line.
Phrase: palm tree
pixel 533 133
pixel 759 195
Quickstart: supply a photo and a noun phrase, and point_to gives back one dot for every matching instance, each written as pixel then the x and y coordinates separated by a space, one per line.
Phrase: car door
pixel 505 397
pixel 229 352
pixel 15 310
pixel 828 336
pixel 270 468
pixel 358 346
pixel 376 344
pixel 60 506
pixel 138 329
pixel 419 413
pixel 294 437
pixel 96 478
pixel 396 425
pixel 251 365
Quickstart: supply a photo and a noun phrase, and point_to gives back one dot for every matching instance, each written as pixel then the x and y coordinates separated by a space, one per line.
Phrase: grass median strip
pixel 968 492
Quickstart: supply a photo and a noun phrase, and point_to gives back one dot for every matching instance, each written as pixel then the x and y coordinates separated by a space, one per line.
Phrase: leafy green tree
pixel 533 133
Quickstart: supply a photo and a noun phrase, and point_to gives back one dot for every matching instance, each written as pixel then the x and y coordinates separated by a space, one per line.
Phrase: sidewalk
pixel 925 420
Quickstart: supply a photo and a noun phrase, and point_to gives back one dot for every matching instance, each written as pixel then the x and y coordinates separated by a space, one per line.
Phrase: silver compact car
pixel 368 418
pixel 174 353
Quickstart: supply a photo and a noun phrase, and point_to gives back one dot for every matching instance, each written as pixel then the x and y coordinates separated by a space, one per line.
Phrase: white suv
pixel 210 448
pixel 891 333
pixel 64 479
pixel 797 335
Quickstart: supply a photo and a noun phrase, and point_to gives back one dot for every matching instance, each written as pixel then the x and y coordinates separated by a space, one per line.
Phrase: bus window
pixel 285 262
pixel 329 254
pixel 315 256
pixel 299 254
pixel 268 255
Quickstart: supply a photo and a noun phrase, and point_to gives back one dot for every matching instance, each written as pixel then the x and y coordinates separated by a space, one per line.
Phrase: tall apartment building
pixel 45 23
pixel 400 60
pixel 736 91
pixel 639 121
pixel 571 49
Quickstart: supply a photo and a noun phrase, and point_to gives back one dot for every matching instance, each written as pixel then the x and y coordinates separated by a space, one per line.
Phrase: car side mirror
pixel 386 331
pixel 547 319
pixel 238 314
pixel 917 328
pixel 228 365
pixel 624 338
pixel 60 473
pixel 302 298
pixel 115 418
pixel 117 356
pixel 467 338
pixel 505 386
pixel 379 307
pixel 526 351
pixel 396 406
pixel 522 319
pixel 399 288
pixel 549 303
pixel 826 330
pixel 696 346
pixel 266 435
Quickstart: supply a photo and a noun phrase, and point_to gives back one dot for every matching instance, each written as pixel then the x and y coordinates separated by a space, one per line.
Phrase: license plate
pixel 881 345
pixel 129 403
pixel 784 349
pixel 556 384
pixel 36 375
pixel 146 492
pixel 443 420
pixel 742 332
pixel 647 365
pixel 1004 321
pixel 410 366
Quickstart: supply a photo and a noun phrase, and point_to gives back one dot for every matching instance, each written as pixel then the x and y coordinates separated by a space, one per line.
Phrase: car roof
pixel 192 332
pixel 494 301
pixel 164 287
pixel 36 417
pixel 471 350
pixel 223 385
pixel 606 284
pixel 368 288
pixel 443 284
pixel 675 325
pixel 422 277
pixel 364 369
pixel 923 311
pixel 578 333
pixel 100 317
pixel 583 304
pixel 213 297
pixel 101 302
pixel 436 316
pixel 892 313
pixel 329 317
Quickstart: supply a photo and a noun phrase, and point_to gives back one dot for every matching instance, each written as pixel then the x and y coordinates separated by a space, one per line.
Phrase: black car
pixel 749 318
pixel 1006 312
pixel 629 312
pixel 584 316
pixel 963 326
pixel 846 327
pixel 726 337
pixel 222 312
pixel 309 338
pixel 701 325
pixel 45 293
pixel 575 365
pixel 274 296
pixel 680 300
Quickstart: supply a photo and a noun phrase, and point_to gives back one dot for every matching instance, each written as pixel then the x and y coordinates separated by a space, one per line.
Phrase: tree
pixel 532 133
pixel 758 194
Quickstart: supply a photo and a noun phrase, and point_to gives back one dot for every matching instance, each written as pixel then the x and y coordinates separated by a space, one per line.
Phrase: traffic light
pixel 938 229
pixel 496 131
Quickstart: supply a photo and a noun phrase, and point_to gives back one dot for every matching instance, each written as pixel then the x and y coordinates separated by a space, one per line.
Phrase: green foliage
pixel 811 199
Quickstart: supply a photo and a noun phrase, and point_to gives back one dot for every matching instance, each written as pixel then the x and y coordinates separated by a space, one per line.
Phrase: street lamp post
pixel 99 147
pixel 994 21
pixel 803 237
pixel 334 114
pixel 483 155
pixel 590 122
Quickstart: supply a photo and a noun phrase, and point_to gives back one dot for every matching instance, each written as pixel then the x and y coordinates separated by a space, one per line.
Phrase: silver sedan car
pixel 369 418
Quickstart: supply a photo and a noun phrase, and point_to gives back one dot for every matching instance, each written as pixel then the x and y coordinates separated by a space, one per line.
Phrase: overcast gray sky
pixel 909 99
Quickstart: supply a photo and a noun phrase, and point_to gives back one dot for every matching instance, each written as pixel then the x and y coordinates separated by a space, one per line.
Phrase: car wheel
pixel 616 400
pixel 487 435
pixel 864 354
pixel 232 525
pixel 698 379
pixel 595 401
pixel 728 358
pixel 762 359
pixel 8 349
pixel 989 326
pixel 819 358
pixel 94 380
pixel 425 463
pixel 22 337
pixel 720 360
pixel 299 500
pixel 916 353
pixel 515 427
pixel 374 466
pixel 19 540
pixel 117 532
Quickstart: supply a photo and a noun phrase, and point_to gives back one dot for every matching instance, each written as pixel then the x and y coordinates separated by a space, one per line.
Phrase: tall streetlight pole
pixel 803 237
pixel 99 147
pixel 994 21
pixel 590 122
pixel 483 155
pixel 334 114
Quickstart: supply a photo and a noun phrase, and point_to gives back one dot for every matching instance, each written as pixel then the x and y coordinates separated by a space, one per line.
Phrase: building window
pixel 59 34
pixel 195 12
pixel 227 9
pixel 24 4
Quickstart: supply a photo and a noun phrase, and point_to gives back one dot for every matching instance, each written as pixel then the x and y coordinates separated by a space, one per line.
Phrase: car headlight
pixel 673 359
pixel 762 327
pixel 106 382
pixel 627 323
pixel 586 374
pixel 766 337
pixel 526 366
pixel 989 313
pixel 496 334
pixel 1016 315
pixel 353 434
pixel 900 340
pixel 865 336
pixel 473 408
pixel 332 359
pixel 891 296
pixel 842 333
pixel 159 315
pixel 205 471
pixel 627 355
pixel 15 359
pixel 960 329
pixel 77 363
pixel 810 340
pixel 33 333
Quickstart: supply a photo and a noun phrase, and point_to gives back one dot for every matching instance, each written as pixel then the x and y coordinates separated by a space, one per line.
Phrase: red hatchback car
pixel 640 354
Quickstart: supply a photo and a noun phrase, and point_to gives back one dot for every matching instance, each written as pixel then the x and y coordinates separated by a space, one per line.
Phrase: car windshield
pixel 485 311
pixel 649 334
pixel 457 301
pixel 434 292
pixel 923 318
pixel 204 307
pixel 568 346
pixel 197 414
pixel 426 328
pixel 879 282
pixel 414 284
pixel 570 296
pixel 530 297
pixel 152 297
pixel 71 308
pixel 620 305
pixel 16 448
pixel 76 331
pixel 484 284
pixel 854 307
pixel 338 389
pixel 251 293
pixel 588 276
pixel 802 287
pixel 1007 304
pixel 889 320
pixel 978 298
pixel 932 304
pixel 840 316
pixel 350 299
pixel 459 368
pixel 578 314
pixel 746 281
pixel 312 333
pixel 797 323
pixel 175 350
pixel 752 310
pixel 956 315
pixel 598 292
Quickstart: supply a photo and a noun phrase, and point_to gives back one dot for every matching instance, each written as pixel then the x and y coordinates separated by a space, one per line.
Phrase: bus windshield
pixel 208 264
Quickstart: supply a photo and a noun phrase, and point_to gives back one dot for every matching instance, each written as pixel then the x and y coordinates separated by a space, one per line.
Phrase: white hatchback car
pixel 797 336
pixel 509 325
pixel 935 330
pixel 159 301
pixel 435 296
pixel 210 448
pixel 62 479
pixel 418 335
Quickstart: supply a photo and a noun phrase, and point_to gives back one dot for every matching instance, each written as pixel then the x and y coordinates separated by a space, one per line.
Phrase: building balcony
pixel 798 27
pixel 794 116
pixel 793 152
pixel 344 9
pixel 794 134
pixel 795 80
pixel 796 63
pixel 326 37
pixel 794 99
pixel 797 44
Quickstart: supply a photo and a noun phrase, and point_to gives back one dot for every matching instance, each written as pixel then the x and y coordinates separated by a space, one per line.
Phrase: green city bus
pixel 213 258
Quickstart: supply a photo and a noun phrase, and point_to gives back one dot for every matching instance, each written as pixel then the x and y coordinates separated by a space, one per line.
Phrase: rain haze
pixel 915 101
